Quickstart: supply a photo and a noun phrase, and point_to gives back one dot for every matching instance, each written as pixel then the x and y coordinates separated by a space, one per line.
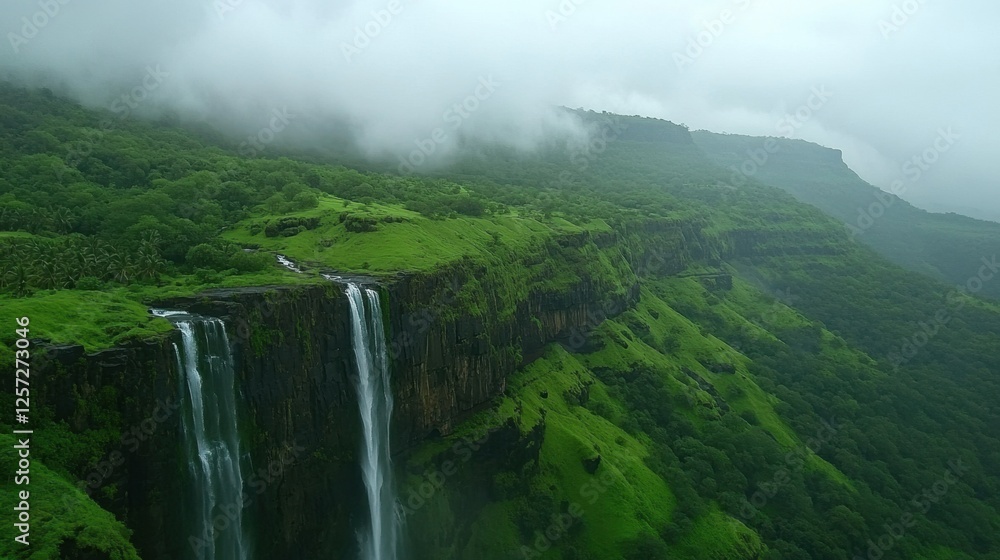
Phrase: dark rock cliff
pixel 295 363
pixel 135 388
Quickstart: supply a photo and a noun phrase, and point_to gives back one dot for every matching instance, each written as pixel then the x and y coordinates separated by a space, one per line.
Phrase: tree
pixel 205 256
pixel 305 201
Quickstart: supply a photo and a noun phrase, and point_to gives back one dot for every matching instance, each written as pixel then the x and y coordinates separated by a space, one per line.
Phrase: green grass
pixel 622 499
pixel 19 235
pixel 637 499
pixel 94 320
pixel 717 536
pixel 191 285
pixel 103 319
pixel 404 240
pixel 653 336
pixel 59 512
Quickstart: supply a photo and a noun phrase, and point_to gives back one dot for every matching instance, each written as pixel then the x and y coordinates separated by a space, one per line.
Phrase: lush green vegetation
pixel 756 418
pixel 64 521
pixel 945 246
pixel 709 421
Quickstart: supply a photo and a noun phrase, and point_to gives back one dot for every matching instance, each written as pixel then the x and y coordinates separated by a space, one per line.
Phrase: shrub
pixel 205 256
pixel 251 262
pixel 89 283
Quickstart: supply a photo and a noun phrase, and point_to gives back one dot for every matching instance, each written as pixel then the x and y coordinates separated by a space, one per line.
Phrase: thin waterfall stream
pixel 375 405
pixel 210 437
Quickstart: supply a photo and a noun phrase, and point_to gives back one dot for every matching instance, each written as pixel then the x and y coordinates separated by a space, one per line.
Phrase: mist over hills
pixel 609 332
pixel 554 280
pixel 393 75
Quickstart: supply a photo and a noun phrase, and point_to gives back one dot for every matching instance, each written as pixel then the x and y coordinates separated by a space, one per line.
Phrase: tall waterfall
pixel 210 438
pixel 375 403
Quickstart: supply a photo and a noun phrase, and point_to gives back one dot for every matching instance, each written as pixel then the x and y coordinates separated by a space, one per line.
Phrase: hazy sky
pixel 895 74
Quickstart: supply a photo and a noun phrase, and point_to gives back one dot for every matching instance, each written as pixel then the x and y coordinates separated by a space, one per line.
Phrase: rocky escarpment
pixel 450 357
pixel 455 335
pixel 129 396
pixel 447 365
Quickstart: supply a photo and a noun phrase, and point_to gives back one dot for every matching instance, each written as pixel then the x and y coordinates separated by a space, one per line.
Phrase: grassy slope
pixel 102 319
pixel 61 515
pixel 658 336
pixel 95 320
pixel 633 499
pixel 412 243
pixel 641 501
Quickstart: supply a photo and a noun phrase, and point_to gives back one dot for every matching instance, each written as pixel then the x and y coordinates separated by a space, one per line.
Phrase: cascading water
pixel 210 437
pixel 375 403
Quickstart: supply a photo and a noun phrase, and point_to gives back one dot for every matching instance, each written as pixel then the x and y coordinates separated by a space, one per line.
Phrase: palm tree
pixel 19 279
pixel 119 268
pixel 152 237
pixel 48 274
pixel 9 218
pixel 36 248
pixel 149 262
pixel 69 268
pixel 40 220
pixel 6 268
pixel 63 220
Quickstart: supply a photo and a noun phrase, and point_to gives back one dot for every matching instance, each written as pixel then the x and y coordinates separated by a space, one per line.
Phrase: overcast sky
pixel 894 73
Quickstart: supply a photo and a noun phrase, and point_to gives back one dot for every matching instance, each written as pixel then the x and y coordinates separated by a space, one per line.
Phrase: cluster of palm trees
pixel 43 264
pixel 36 220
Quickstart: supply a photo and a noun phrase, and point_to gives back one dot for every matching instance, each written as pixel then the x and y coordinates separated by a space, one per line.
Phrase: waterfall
pixel 375 404
pixel 210 437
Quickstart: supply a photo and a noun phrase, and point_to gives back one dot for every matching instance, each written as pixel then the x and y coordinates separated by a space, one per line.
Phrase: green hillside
pixel 777 397
pixel 946 246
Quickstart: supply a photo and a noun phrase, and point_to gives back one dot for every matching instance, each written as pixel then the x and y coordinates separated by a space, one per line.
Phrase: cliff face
pixel 445 368
pixel 294 367
pixel 138 475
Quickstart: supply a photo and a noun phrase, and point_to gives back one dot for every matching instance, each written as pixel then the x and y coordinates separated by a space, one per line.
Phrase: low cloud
pixel 390 71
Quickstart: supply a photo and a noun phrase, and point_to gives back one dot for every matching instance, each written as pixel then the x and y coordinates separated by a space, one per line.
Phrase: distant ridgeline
pixel 607 349
pixel 949 247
